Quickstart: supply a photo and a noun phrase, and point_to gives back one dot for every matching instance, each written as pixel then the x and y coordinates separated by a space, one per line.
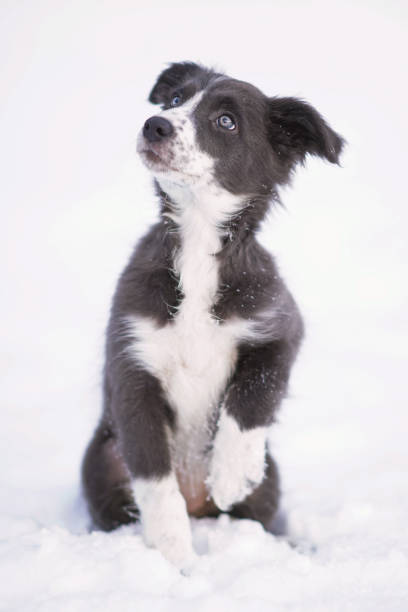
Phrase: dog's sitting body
pixel 203 332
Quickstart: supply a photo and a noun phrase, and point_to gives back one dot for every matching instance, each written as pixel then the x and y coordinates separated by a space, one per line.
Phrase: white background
pixel 74 199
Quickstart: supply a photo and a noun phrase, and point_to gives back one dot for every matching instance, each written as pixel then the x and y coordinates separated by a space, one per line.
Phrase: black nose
pixel 156 129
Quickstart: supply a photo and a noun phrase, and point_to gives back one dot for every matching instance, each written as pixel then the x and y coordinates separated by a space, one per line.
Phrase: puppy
pixel 202 332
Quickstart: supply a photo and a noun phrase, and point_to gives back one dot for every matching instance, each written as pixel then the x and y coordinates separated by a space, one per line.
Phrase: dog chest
pixel 192 356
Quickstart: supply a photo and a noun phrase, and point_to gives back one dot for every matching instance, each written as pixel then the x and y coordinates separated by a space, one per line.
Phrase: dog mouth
pixel 155 160
pixel 160 159
pixel 152 157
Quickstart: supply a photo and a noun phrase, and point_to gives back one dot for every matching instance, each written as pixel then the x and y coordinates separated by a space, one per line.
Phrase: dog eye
pixel 226 122
pixel 176 100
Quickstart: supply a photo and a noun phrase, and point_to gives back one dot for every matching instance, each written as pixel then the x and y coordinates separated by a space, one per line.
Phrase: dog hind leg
pixel 106 482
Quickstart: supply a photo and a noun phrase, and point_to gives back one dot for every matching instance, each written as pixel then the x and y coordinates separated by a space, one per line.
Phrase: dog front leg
pixel 251 400
pixel 142 420
pixel 165 522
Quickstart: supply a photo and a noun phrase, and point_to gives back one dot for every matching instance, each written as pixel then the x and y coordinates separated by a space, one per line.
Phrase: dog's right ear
pixel 171 78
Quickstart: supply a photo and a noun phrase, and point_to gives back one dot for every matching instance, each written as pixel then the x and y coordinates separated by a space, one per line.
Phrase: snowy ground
pixel 75 199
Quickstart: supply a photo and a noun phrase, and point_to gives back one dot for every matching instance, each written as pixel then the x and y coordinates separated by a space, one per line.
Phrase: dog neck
pixel 199 215
pixel 232 219
pixel 210 203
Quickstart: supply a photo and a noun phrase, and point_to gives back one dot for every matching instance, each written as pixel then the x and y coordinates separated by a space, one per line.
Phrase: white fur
pixel 185 163
pixel 238 462
pixel 164 519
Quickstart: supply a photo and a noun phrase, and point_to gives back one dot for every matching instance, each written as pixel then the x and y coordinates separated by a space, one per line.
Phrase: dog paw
pixel 165 523
pixel 238 462
pixel 175 546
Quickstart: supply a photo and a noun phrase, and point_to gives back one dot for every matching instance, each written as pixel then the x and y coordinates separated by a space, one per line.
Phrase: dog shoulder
pixel 147 286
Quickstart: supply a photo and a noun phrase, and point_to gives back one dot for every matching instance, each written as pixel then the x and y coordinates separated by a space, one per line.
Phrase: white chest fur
pixel 194 354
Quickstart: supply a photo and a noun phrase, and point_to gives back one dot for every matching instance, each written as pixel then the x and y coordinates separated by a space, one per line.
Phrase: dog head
pixel 216 129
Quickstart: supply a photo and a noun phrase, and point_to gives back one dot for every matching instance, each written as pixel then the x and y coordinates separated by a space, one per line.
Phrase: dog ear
pixel 171 78
pixel 296 129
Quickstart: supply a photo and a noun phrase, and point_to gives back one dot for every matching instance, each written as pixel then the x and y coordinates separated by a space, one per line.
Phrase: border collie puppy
pixel 203 331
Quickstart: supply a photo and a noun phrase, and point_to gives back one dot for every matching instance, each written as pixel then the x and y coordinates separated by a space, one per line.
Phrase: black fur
pixel 273 135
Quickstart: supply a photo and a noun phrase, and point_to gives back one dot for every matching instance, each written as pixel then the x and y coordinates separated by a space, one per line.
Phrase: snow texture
pixel 75 198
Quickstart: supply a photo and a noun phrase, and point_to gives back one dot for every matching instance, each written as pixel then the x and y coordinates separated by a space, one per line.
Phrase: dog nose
pixel 157 128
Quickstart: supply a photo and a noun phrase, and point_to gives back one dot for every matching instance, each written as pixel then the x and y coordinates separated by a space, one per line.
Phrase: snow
pixel 75 199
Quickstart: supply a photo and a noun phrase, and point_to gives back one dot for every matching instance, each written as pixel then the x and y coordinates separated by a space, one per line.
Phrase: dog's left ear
pixel 296 129
pixel 170 79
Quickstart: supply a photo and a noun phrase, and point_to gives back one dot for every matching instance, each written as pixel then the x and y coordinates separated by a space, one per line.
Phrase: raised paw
pixel 238 462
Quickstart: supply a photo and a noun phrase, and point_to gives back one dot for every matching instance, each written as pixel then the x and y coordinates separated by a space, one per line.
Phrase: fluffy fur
pixel 203 331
